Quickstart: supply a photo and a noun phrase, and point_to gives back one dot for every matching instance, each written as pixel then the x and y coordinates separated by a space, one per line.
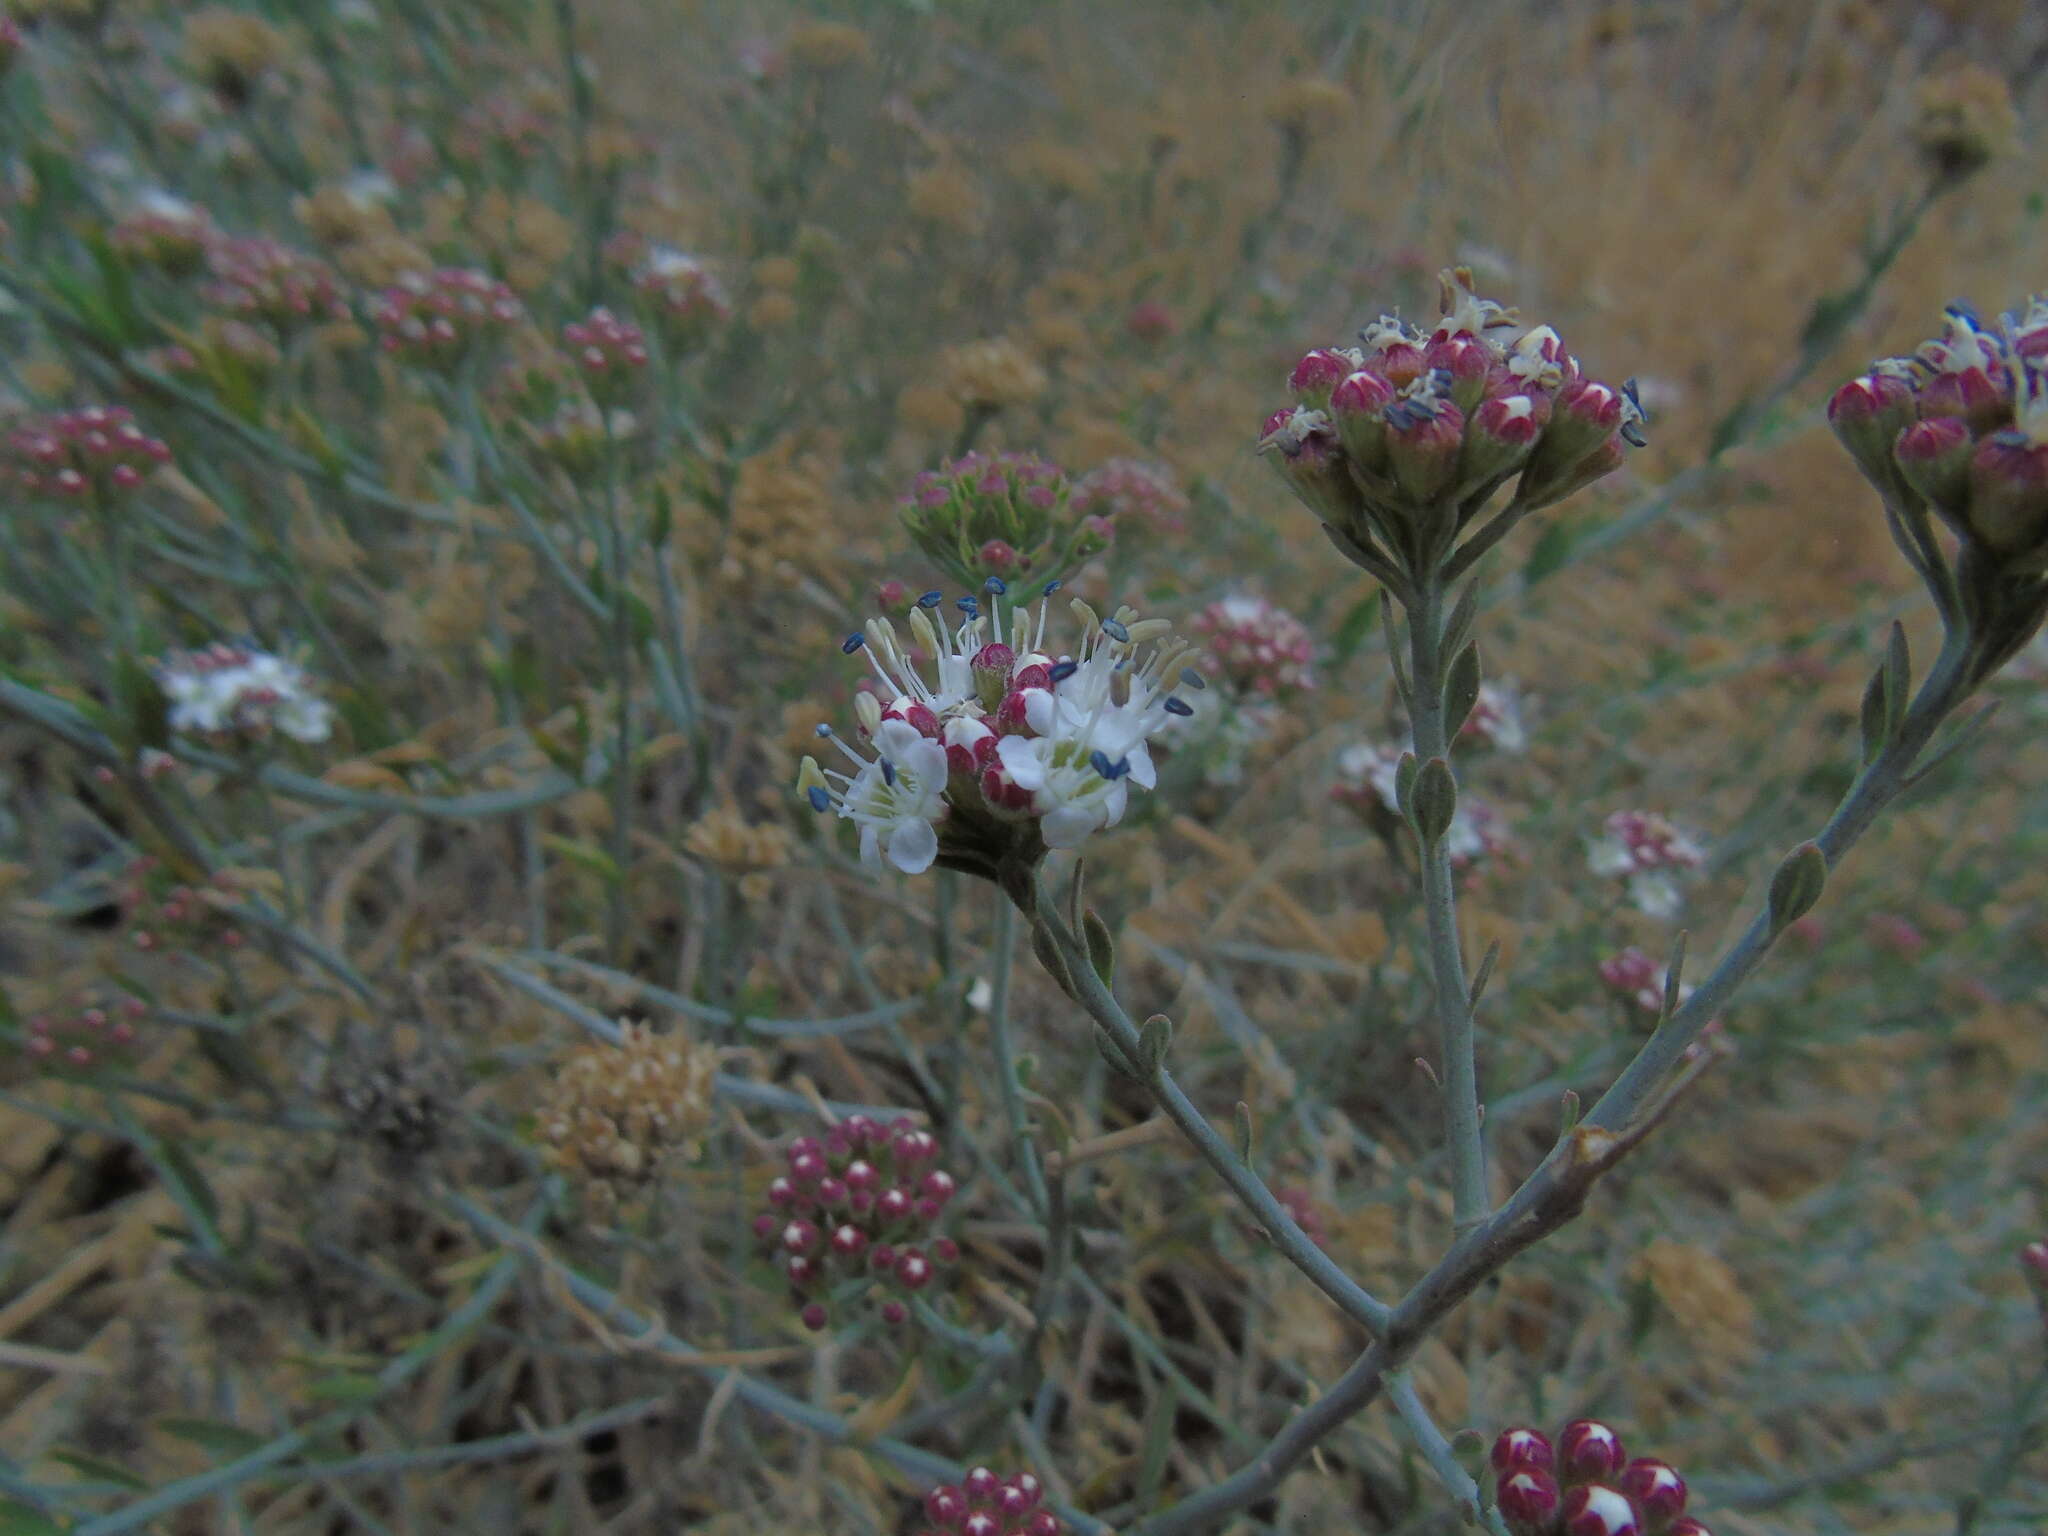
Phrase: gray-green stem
pixel 1427 668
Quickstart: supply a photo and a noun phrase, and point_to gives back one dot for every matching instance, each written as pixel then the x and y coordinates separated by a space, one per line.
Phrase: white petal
pixel 870 843
pixel 1067 827
pixel 1021 762
pixel 1040 710
pixel 1143 774
pixel 913 846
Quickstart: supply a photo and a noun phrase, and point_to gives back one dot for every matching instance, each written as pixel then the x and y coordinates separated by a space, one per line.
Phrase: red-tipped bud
pixel 1500 436
pixel 832 1192
pixel 1688 1527
pixel 1529 1501
pixel 981 1484
pixel 1980 397
pixel 1584 418
pixel 998 557
pixel 981 1523
pixel 1303 448
pixel 2034 1265
pixel 1012 713
pixel 1317 374
pixel 1588 1451
pixel 814 1316
pixel 1011 1502
pixel 1358 406
pixel 882 1257
pixel 945 1505
pixel 1464 361
pixel 1522 1447
pixel 913 1270
pixel 800 1236
pixel 1656 1489
pixel 2009 492
pixel 992 666
pixel 1868 414
pixel 1598 1510
pixel 894 1204
pixel 1042 1523
pixel 766 1225
pixel 782 1193
pixel 848 1240
pixel 1029 1486
pixel 1402 362
pixel 1424 438
pixel 894 1313
pixel 1934 459
pixel 938 1185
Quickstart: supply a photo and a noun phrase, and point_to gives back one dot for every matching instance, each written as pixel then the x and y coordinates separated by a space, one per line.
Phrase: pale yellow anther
pixel 1146 630
pixel 1089 622
pixel 921 630
pixel 868 710
pixel 809 776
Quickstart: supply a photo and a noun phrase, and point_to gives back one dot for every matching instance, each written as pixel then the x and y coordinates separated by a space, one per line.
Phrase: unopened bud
pixel 1868 414
pixel 1521 1447
pixel 1657 1490
pixel 1529 1500
pixel 1424 438
pixel 2009 491
pixel 1597 1510
pixel 1500 435
pixel 1584 419
pixel 1357 406
pixel 1302 446
pixel 1588 1451
pixel 1317 374
pixel 1934 459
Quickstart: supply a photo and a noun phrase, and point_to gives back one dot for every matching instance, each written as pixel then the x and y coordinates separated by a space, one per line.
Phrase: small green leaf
pixel 1797 886
pixel 1155 1039
pixel 1404 785
pixel 1243 1117
pixel 1055 966
pixel 1101 945
pixel 1433 801
pixel 228 1441
pixel 93 1467
pixel 1461 690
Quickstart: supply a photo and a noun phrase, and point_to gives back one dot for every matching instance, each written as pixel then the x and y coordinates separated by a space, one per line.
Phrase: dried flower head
pixel 990 375
pixel 619 1110
pixel 1965 118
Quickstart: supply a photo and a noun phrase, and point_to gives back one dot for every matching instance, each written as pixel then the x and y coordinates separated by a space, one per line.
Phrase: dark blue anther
pixel 852 643
pixel 1116 631
pixel 1099 761
pixel 820 801
pixel 1179 707
pixel 1052 587
pixel 1193 679
pixel 824 729
pixel 967 605
pixel 931 599
pixel 888 772
pixel 997 585
pixel 1064 670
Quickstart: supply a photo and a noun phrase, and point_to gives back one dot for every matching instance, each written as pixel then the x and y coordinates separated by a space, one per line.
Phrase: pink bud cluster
pixel 89 1032
pixel 1133 490
pixel 985 1504
pixel 1648 853
pixel 1633 975
pixel 680 293
pixel 437 317
pixel 1961 425
pixel 865 1200
pixel 95 450
pixel 1397 442
pixel 610 352
pixel 1255 647
pixel 262 279
pixel 1584 1484
pixel 164 232
pixel 1007 515
pixel 166 915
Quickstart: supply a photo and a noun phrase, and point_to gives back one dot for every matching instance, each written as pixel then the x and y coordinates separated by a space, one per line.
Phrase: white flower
pixel 1646 852
pixel 896 799
pixel 1073 792
pixel 227 690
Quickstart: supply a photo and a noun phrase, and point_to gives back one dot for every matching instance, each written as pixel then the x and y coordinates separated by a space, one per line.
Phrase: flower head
pixel 987 746
pixel 986 1504
pixel 439 317
pixel 229 691
pixel 1255 648
pixel 1397 444
pixel 1649 854
pixel 97 451
pixel 1132 490
pixel 1007 515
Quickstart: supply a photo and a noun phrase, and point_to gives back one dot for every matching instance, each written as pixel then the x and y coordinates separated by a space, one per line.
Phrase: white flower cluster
pixel 227 690
pixel 1011 735
pixel 1649 854
pixel 1366 782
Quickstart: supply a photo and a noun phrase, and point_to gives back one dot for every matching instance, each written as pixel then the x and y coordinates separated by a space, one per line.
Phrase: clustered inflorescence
pixel 438 317
pixel 862 1203
pixel 618 1111
pixel 1006 515
pixel 1016 747
pixel 1399 442
pixel 1367 782
pixel 96 450
pixel 85 1034
pixel 236 691
pixel 984 1504
pixel 1649 856
pixel 1959 429
pixel 1584 1484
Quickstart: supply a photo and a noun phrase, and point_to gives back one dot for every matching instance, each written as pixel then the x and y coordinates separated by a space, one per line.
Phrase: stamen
pixel 1193 679
pixel 997 585
pixel 1179 707
pixel 1064 670
pixel 888 772
pixel 1116 631
pixel 820 801
pixel 852 643
pixel 931 599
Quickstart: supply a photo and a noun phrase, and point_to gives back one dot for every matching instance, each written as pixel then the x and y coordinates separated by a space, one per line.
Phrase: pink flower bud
pixel 998 557
pixel 1981 397
pixel 766 1226
pixel 913 1270
pixel 938 1185
pixel 882 1256
pixel 814 1316
pixel 2009 492
pixel 1529 1500
pixel 1597 1510
pixel 1029 1486
pixel 894 1313
pixel 800 1236
pixel 848 1240
pixel 1317 374
pixel 981 1523
pixel 1656 1488
pixel 981 1484
pixel 1042 1523
pixel 1868 414
pixel 1465 362
pixel 894 1204
pixel 1303 448
pixel 1358 406
pixel 1521 1447
pixel 1688 1527
pixel 1588 1451
pixel 1934 458
pixel 945 1505
pixel 1423 442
